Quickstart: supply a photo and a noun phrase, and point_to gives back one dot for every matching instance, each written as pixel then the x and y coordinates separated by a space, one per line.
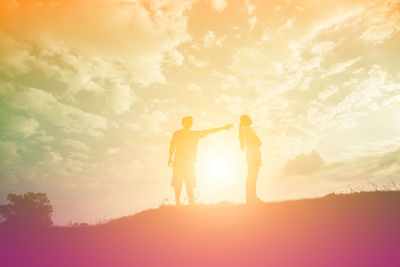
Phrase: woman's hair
pixel 244 122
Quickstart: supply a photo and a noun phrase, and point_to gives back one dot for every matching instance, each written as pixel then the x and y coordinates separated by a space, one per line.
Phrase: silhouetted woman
pixel 250 143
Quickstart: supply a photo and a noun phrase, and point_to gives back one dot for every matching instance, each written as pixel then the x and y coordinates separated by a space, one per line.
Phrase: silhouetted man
pixel 184 144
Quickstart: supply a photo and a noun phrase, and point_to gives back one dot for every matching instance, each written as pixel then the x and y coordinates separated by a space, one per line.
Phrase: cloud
pixel 174 58
pixel 8 151
pixel 75 145
pixel 330 91
pixel 113 150
pixel 193 87
pixel 235 104
pixel 384 22
pixel 45 105
pixel 14 57
pixel 210 39
pixel 250 7
pixel 219 5
pixel 50 159
pixel 287 26
pixel 252 22
pixel 132 33
pixel 122 98
pixel 362 172
pixel 151 122
pixel 323 47
pixel 229 81
pixel 304 164
pixel 18 126
pixel 197 62
pixel 340 67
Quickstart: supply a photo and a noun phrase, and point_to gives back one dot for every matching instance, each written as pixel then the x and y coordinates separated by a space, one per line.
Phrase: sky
pixel 92 91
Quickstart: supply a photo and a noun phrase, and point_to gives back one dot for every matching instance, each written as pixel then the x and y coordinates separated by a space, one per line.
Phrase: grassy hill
pixel 360 229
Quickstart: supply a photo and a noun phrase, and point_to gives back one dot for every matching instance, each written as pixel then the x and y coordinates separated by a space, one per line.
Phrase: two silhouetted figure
pixel 183 153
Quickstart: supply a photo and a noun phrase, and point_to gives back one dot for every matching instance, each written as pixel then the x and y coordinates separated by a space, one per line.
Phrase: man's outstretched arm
pixel 203 133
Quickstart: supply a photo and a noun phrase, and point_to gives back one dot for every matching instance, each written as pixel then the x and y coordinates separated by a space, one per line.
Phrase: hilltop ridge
pixel 359 229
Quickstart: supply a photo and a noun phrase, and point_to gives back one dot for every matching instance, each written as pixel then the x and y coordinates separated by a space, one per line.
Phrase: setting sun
pixel 220 171
pixel 218 168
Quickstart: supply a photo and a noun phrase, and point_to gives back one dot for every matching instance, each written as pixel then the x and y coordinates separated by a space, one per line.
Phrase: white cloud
pixel 50 158
pixel 322 48
pixel 392 100
pixel 340 67
pixel 136 36
pixel 151 122
pixel 193 87
pixel 287 26
pixel 75 145
pixel 331 90
pixel 266 35
pixel 380 169
pixel 8 150
pixel 19 126
pixel 209 39
pixel 229 81
pixel 113 150
pixel 383 22
pixel 304 164
pixel 14 57
pixel 122 98
pixel 250 7
pixel 197 62
pixel 174 58
pixel 68 118
pixel 252 22
pixel 235 104
pixel 219 5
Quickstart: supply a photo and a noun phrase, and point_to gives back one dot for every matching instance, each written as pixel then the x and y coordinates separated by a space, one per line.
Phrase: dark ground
pixel 360 229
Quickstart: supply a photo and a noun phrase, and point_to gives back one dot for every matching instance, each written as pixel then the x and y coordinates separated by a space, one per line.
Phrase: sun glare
pixel 220 172
pixel 218 168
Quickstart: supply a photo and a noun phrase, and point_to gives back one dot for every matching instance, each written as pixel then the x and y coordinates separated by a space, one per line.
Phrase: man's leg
pixel 190 192
pixel 178 189
pixel 190 182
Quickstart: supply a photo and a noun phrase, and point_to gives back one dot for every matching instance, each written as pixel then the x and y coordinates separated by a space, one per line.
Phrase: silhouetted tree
pixel 29 209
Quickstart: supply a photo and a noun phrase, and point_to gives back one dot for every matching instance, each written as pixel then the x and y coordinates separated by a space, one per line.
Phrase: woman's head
pixel 245 120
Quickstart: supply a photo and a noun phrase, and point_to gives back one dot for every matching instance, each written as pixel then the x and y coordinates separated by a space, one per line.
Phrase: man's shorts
pixel 183 171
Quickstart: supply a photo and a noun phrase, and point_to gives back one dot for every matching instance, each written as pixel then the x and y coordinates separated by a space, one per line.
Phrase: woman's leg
pixel 251 183
pixel 190 192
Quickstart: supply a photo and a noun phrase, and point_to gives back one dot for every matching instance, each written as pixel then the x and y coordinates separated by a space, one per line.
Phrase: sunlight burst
pixel 218 168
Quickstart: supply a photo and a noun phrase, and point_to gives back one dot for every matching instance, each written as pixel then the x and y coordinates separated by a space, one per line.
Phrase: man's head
pixel 187 122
